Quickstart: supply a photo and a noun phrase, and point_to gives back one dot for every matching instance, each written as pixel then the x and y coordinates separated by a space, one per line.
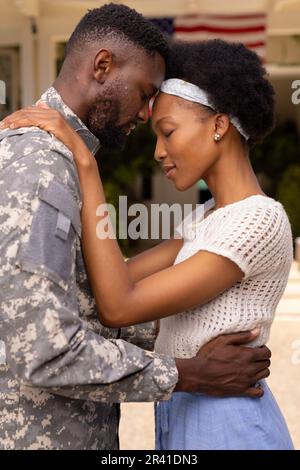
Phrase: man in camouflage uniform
pixel 62 374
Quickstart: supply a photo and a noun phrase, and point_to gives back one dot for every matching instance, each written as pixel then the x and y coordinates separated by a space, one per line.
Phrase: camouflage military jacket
pixel 62 374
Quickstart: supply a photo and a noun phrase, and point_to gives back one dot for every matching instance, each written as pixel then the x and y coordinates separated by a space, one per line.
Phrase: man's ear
pixel 103 63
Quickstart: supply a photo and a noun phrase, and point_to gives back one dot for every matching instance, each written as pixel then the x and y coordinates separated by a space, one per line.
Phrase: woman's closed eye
pixel 168 133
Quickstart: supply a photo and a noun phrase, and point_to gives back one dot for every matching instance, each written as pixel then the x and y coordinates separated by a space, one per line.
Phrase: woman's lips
pixel 169 170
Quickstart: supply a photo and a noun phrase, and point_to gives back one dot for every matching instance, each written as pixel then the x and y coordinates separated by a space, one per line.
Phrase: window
pixel 59 55
pixel 10 80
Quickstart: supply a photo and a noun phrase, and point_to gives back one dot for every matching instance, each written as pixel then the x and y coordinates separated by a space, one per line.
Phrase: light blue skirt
pixel 194 421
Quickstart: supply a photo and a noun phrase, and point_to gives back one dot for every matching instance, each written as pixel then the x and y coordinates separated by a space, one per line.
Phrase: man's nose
pixel 143 114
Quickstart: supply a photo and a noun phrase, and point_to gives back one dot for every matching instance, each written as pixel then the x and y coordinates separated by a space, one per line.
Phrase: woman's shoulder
pixel 256 207
pixel 250 203
pixel 255 233
pixel 255 215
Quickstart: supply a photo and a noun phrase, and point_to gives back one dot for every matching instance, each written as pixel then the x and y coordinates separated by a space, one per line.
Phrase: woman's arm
pixel 140 266
pixel 154 260
pixel 123 301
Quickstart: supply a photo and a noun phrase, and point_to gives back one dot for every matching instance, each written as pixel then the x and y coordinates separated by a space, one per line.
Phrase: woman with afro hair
pixel 227 266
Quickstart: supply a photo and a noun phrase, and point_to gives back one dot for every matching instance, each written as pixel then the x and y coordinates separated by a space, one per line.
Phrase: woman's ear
pixel 103 63
pixel 222 124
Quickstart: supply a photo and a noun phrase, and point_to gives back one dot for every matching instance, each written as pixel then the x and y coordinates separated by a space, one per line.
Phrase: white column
pixel 28 64
pixel 46 57
pixel 52 31
pixel 297 116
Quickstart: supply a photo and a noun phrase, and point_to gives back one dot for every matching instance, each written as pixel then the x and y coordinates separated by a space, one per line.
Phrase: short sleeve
pixel 255 238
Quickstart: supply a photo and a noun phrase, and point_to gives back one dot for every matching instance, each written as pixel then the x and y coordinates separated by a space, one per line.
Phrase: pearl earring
pixel 217 137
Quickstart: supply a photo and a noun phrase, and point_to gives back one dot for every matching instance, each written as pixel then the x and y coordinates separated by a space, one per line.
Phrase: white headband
pixel 190 92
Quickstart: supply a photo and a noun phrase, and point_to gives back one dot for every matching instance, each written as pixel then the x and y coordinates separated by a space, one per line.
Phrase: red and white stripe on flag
pixel 250 29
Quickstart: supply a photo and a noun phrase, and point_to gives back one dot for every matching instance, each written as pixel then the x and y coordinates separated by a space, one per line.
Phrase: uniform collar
pixel 55 101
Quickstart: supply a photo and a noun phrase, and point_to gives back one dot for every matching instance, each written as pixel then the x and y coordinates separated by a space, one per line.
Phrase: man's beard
pixel 102 119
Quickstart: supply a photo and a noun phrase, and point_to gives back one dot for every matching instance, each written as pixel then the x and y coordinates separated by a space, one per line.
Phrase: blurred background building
pixel 33 34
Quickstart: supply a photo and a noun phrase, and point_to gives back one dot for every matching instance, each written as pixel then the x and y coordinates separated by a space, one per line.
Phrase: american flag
pixel 250 29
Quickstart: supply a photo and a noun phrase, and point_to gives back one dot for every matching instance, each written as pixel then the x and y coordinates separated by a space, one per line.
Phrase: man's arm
pixel 226 366
pixel 48 346
pixel 143 335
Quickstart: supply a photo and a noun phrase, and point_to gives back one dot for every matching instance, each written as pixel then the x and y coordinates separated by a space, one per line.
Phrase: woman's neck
pixel 232 178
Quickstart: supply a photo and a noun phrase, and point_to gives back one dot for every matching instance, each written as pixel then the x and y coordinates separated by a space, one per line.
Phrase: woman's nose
pixel 159 153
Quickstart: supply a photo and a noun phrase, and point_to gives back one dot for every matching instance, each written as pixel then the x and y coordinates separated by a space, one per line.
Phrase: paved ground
pixel 137 423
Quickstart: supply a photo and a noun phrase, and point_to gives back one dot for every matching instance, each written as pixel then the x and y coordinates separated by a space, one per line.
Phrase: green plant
pixel 278 151
pixel 119 170
pixel 289 195
pixel 137 157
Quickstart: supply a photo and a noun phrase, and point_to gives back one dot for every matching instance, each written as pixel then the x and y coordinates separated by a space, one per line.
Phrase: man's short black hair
pixel 234 79
pixel 118 22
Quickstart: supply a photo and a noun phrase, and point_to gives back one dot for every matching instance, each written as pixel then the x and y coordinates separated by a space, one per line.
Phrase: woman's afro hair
pixel 234 79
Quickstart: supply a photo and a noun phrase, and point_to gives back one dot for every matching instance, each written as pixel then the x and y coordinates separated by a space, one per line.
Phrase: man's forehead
pixel 148 70
pixel 149 62
pixel 157 73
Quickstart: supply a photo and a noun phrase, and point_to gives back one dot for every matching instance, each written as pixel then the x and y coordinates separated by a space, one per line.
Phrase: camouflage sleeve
pixel 49 347
pixel 143 335
pixel 47 344
pixel 2 353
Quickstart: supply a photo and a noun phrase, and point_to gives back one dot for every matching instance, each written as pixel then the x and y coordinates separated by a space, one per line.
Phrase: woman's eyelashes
pixel 168 133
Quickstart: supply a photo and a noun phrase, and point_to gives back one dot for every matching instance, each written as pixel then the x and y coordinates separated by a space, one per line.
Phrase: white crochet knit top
pixel 255 234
